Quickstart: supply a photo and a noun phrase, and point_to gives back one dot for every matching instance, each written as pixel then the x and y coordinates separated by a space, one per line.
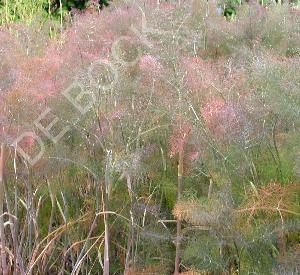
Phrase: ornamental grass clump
pixel 150 137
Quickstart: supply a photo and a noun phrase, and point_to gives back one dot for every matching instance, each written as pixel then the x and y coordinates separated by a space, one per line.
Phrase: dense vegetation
pixel 149 137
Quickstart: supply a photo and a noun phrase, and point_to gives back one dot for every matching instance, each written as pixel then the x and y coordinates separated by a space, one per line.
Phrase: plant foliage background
pixel 186 161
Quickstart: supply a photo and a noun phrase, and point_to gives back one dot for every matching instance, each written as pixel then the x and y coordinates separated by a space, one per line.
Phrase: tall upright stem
pixel 4 268
pixel 106 236
pixel 105 198
pixel 178 225
pixel 61 16
pixel 131 227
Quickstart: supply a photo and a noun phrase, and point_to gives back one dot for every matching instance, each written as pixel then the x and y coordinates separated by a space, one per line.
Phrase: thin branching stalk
pixel 130 230
pixel 210 188
pixel 4 267
pixel 19 265
pixel 106 228
pixel 178 223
